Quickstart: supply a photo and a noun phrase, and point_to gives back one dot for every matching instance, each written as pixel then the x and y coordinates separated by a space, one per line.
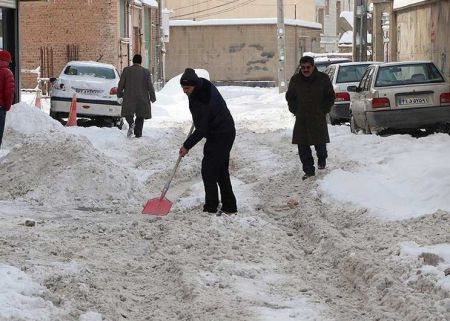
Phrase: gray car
pixel 343 75
pixel 400 95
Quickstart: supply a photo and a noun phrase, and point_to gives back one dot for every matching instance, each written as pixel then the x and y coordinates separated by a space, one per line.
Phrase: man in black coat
pixel 310 96
pixel 213 121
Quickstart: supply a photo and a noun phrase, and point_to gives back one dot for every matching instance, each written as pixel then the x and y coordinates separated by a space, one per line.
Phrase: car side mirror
pixel 352 88
pixel 52 79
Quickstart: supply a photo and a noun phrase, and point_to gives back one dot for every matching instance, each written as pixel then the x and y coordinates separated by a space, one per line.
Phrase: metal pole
pixel 163 45
pixel 281 47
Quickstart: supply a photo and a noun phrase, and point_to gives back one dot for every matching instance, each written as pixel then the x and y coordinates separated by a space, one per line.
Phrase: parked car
pixel 343 75
pixel 322 63
pixel 400 95
pixel 95 86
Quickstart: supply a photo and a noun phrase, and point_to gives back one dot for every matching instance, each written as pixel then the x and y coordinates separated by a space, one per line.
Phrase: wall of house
pixel 298 41
pixel 219 9
pixel 429 24
pixel 90 31
pixel 233 52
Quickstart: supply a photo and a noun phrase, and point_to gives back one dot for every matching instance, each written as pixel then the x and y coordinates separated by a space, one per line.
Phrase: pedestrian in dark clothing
pixel 213 121
pixel 7 86
pixel 310 96
pixel 136 88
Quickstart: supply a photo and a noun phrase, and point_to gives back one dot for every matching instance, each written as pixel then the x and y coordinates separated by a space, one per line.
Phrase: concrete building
pixel 238 50
pixel 111 31
pixel 219 9
pixel 412 30
pixel 328 13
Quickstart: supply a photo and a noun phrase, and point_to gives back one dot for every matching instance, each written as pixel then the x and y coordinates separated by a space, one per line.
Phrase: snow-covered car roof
pixel 90 63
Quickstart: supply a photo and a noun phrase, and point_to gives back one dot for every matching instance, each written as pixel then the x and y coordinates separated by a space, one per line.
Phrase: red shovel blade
pixel 157 206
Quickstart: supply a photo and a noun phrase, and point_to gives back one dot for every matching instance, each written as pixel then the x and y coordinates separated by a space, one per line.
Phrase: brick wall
pixel 90 27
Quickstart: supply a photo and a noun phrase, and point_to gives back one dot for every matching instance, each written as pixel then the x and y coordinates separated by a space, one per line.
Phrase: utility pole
pixel 281 47
pixel 162 42
pixel 360 31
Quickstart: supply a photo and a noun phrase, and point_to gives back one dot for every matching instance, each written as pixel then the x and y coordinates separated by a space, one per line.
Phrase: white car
pixel 400 95
pixel 95 86
pixel 343 75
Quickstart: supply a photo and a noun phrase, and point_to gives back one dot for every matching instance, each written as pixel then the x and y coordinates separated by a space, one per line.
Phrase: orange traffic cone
pixel 37 100
pixel 72 120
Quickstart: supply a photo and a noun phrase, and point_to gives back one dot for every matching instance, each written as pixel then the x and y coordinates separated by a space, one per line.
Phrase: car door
pixel 358 102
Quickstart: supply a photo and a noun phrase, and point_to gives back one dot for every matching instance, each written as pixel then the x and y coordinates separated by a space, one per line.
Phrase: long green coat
pixel 136 88
pixel 310 99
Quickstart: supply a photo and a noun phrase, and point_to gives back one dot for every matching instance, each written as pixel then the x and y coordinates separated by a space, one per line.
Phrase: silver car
pixel 400 95
pixel 95 87
pixel 343 75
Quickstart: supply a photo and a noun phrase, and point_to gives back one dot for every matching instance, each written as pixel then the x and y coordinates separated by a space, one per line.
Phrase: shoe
pixel 307 175
pixel 130 130
pixel 229 212
pixel 321 164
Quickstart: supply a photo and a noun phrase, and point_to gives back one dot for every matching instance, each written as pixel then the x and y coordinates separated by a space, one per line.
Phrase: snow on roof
pixel 346 38
pixel 246 21
pixel 400 4
pixel 347 15
pixel 149 3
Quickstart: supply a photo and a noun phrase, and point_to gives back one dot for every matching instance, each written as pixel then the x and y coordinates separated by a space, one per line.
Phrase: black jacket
pixel 210 113
pixel 310 99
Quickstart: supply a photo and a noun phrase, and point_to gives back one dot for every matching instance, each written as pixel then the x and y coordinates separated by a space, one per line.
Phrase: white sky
pixel 394 178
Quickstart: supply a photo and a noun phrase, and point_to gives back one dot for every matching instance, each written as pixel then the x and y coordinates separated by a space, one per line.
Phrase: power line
pixel 216 12
pixel 228 9
pixel 189 6
pixel 203 10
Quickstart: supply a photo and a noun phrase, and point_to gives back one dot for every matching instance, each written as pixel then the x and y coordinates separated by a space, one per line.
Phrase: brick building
pixel 111 31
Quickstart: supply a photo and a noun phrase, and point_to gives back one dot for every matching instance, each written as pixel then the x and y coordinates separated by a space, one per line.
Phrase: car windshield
pixel 351 73
pixel 408 74
pixel 321 64
pixel 94 71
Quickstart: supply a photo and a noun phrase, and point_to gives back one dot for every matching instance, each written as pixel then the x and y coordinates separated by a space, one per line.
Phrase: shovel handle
pixel 167 185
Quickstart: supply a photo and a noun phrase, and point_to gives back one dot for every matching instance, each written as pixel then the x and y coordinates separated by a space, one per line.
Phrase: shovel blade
pixel 157 206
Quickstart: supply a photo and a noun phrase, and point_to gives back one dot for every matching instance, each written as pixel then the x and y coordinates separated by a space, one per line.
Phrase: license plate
pixel 87 91
pixel 413 101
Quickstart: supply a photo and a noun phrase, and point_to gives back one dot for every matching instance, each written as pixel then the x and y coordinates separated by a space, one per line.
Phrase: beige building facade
pixel 416 30
pixel 219 9
pixel 239 51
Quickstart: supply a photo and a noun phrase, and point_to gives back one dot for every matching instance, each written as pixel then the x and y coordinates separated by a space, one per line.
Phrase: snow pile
pixel 27 120
pixel 64 170
pixel 20 297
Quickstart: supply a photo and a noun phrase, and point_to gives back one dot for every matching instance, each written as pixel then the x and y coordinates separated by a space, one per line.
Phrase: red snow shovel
pixel 160 206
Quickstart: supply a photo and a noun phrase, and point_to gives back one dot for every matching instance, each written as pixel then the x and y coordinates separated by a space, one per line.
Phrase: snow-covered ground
pixel 366 239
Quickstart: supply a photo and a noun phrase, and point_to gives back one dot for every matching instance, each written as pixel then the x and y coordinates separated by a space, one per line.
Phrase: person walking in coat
pixel 136 88
pixel 7 87
pixel 310 96
pixel 213 121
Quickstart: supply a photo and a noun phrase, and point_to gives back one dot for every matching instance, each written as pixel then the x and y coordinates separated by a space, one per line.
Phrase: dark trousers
pixel 304 151
pixel 215 163
pixel 138 124
pixel 2 123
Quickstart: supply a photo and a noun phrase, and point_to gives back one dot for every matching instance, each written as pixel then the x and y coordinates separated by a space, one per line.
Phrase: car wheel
pixel 334 121
pixel 367 127
pixel 353 127
pixel 119 123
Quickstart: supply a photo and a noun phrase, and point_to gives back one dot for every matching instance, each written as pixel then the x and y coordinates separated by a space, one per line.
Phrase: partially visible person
pixel 213 121
pixel 136 88
pixel 310 96
pixel 7 86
